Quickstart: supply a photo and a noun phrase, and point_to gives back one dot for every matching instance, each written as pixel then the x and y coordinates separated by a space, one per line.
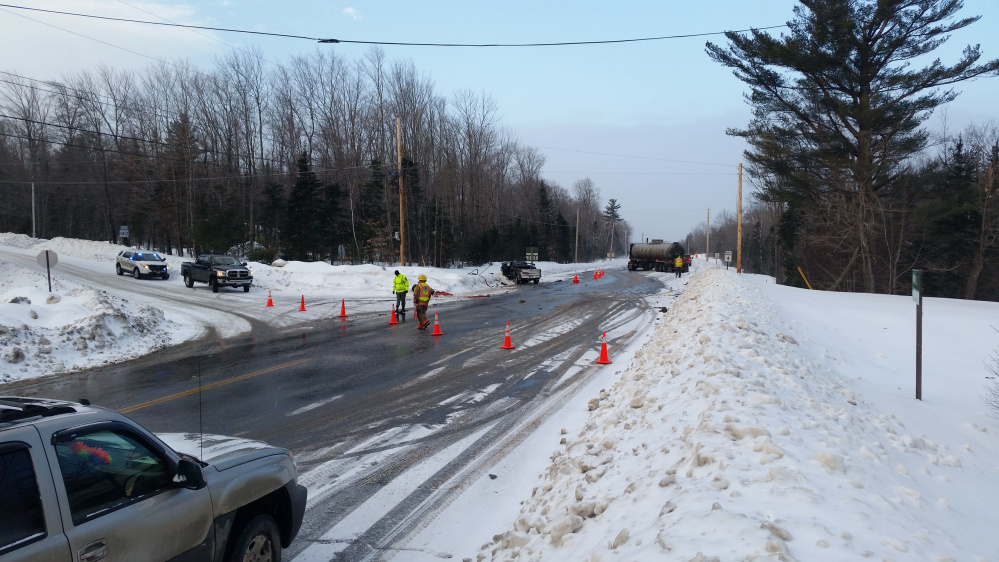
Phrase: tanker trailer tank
pixel 657 256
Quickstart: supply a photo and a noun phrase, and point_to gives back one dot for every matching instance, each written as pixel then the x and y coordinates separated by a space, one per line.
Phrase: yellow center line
pixel 207 387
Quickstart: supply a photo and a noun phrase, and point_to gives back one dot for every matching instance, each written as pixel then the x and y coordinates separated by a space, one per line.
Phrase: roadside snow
pixel 72 328
pixel 742 431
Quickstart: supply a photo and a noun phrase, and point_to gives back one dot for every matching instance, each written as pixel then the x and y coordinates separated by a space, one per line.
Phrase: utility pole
pixel 738 240
pixel 402 216
pixel 33 212
pixel 707 242
pixel 611 252
pixel 576 259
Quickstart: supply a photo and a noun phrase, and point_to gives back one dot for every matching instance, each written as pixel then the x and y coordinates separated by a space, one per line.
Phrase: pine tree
pixel 612 215
pixel 305 206
pixel 837 105
pixel 950 224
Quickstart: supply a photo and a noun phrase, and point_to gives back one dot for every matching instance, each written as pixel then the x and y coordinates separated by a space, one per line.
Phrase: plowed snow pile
pixel 725 440
pixel 71 328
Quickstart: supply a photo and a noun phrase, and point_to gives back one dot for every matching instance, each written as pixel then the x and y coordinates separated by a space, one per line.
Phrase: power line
pixel 394 43
pixel 313 168
pixel 638 157
pixel 151 142
pixel 648 173
pixel 164 24
pixel 550 44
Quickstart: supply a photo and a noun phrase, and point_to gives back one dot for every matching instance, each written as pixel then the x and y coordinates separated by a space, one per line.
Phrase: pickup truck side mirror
pixel 189 475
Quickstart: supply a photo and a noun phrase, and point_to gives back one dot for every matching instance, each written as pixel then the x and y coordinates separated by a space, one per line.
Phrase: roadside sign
pixel 532 253
pixel 728 256
pixel 48 258
pixel 917 282
pixel 123 231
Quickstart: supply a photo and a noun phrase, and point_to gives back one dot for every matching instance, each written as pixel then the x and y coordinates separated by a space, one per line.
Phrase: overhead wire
pixel 396 43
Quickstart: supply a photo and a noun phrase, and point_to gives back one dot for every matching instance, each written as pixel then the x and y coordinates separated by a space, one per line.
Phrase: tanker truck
pixel 658 256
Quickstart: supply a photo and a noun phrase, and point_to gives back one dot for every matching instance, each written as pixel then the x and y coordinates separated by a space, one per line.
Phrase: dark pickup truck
pixel 217 271
pixel 521 271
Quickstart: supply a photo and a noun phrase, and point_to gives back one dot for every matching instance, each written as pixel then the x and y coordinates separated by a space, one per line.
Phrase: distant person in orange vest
pixel 421 300
pixel 678 266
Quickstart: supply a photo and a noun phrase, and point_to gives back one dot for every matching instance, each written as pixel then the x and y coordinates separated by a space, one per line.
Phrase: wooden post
pixel 917 295
pixel 738 240
pixel 402 216
pixel 576 259
pixel 707 242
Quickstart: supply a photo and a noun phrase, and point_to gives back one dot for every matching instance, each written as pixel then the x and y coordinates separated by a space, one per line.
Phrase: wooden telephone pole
pixel 402 215
pixel 738 242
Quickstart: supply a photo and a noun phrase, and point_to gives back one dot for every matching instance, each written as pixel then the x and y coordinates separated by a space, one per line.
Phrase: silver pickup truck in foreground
pixel 83 483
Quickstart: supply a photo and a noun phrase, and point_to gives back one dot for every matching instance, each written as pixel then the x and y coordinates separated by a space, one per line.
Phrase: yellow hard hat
pixel 423 277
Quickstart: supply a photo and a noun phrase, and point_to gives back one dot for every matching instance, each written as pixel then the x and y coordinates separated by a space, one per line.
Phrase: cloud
pixel 354 13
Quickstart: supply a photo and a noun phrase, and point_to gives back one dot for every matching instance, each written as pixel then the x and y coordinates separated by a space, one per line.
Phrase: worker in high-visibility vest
pixel 678 266
pixel 421 300
pixel 400 286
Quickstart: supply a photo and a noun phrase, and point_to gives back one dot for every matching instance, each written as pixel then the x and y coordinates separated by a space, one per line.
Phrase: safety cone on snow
pixel 575 278
pixel 302 308
pixel 343 308
pixel 604 359
pixel 270 302
pixel 594 274
pixel 392 319
pixel 507 344
pixel 437 326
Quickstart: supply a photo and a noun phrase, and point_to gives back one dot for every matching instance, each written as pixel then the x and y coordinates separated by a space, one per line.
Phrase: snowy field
pixel 751 422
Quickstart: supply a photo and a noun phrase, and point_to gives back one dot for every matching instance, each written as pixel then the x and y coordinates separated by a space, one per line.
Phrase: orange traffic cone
pixel 594 273
pixel 575 278
pixel 343 308
pixel 392 319
pixel 437 326
pixel 507 344
pixel 270 302
pixel 604 359
pixel 302 308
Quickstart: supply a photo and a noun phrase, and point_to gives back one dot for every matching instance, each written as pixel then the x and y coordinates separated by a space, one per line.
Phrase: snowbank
pixel 726 440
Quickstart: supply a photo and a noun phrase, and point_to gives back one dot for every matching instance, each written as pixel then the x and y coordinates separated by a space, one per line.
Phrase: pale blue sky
pixel 654 100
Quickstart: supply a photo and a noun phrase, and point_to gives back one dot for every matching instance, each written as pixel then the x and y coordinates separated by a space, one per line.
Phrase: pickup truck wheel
pixel 188 281
pixel 259 541
pixel 536 281
pixel 136 274
pixel 246 288
pixel 117 269
pixel 214 284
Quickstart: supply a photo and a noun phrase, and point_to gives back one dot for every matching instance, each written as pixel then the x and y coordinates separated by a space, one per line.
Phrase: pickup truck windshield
pixel 225 260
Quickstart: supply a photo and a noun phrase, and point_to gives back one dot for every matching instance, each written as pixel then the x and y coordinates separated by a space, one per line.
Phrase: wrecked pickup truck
pixel 521 271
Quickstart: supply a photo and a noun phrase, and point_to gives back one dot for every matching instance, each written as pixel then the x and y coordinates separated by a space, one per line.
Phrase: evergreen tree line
pixel 942 218
pixel 297 160
pixel 848 188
